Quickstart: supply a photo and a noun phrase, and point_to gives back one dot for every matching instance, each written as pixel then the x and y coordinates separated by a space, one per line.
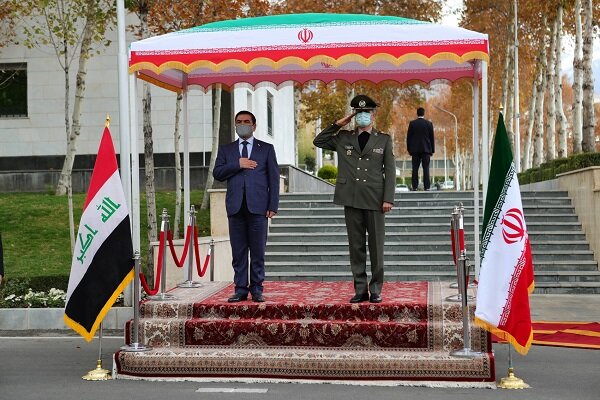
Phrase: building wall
pixel 42 132
pixel 256 100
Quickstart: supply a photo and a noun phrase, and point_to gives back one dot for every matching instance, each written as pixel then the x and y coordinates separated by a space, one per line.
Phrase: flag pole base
pixel 457 298
pixel 135 347
pixel 98 374
pixel 189 285
pixel 163 297
pixel 466 353
pixel 512 382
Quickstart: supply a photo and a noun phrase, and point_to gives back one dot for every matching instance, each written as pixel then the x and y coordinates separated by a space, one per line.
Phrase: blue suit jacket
pixel 261 183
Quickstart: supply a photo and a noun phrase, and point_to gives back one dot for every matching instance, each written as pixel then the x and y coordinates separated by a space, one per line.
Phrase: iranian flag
pixel 102 260
pixel 506 272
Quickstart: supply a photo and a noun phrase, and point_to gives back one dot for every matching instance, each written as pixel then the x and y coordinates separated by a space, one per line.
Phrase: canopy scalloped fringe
pixel 276 65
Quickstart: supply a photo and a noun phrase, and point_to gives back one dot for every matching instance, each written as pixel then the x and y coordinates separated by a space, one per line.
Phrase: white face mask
pixel 363 119
pixel 243 131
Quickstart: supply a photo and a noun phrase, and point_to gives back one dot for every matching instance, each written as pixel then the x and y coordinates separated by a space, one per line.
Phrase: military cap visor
pixel 362 102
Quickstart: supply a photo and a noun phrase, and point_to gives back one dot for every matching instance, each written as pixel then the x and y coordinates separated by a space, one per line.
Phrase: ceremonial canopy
pixel 303 47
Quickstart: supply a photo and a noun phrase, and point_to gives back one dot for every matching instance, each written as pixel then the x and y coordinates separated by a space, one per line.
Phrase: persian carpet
pixel 307 330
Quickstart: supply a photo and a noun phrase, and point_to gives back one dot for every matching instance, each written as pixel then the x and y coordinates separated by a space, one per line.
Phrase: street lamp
pixel 456 169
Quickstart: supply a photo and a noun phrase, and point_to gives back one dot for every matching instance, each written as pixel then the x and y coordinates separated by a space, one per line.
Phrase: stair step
pixel 304 332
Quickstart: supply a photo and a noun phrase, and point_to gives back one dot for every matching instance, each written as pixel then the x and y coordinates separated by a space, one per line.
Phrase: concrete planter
pixel 21 319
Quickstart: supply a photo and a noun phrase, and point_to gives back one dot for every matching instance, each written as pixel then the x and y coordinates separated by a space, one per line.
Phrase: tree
pixel 551 107
pixel 589 121
pixel 577 82
pixel 66 26
pixel 560 114
pixel 8 22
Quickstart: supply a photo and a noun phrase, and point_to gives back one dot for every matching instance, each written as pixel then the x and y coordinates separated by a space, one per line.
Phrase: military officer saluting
pixel 365 187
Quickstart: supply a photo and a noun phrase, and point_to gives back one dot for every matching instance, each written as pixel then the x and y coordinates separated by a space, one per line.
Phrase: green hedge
pixel 550 169
pixel 327 172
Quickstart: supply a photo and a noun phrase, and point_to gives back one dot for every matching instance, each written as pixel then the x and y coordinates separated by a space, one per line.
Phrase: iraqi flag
pixel 506 272
pixel 102 260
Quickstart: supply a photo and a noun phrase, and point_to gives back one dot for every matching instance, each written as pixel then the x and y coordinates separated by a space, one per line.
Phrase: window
pixel 269 114
pixel 13 90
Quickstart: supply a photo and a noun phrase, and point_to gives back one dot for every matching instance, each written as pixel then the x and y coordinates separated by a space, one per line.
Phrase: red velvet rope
pixel 150 292
pixel 179 262
pixel 202 271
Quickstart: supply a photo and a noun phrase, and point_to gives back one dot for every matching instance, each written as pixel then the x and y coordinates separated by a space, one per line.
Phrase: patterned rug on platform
pixel 307 331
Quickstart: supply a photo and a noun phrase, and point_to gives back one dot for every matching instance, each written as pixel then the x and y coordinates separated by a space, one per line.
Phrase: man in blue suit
pixel 250 168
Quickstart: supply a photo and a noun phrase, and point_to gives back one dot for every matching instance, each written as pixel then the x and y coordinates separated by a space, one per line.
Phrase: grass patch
pixel 35 231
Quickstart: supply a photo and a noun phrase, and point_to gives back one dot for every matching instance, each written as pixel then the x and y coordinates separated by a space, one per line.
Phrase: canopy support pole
pixel 476 163
pixel 186 158
pixel 124 136
pixel 485 129
pixel 135 163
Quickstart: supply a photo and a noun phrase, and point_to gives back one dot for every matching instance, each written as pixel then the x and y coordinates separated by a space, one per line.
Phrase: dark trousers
pixel 417 160
pixel 359 222
pixel 248 234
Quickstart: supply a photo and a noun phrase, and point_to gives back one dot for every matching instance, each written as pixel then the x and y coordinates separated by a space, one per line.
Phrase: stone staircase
pixel 308 241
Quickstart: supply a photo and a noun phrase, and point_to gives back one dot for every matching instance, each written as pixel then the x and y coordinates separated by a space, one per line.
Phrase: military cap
pixel 362 102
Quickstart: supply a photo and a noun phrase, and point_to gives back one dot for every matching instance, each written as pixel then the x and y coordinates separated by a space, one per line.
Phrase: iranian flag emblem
pixel 506 274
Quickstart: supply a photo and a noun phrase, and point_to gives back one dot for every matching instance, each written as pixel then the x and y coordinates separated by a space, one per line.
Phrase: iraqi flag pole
pixel 102 264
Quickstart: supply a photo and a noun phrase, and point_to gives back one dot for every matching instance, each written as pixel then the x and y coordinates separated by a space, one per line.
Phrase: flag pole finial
pixel 107 123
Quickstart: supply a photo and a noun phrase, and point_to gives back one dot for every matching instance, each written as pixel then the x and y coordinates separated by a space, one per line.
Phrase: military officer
pixel 365 187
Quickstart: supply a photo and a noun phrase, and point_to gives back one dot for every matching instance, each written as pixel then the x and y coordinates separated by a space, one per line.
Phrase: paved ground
pixel 49 365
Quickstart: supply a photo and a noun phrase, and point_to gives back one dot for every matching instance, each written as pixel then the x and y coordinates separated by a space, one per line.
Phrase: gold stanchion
pixel 511 381
pixel 98 374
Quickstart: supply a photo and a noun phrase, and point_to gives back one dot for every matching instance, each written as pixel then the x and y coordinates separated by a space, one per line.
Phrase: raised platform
pixel 307 331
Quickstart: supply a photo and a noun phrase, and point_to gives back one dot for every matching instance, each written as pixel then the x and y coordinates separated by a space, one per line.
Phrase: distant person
pixel 250 168
pixel 420 144
pixel 365 187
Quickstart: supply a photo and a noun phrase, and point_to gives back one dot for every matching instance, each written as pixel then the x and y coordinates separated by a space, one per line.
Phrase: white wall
pixel 42 132
pixel 283 115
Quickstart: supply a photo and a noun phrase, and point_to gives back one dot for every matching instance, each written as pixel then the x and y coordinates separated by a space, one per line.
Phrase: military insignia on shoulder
pixel 378 151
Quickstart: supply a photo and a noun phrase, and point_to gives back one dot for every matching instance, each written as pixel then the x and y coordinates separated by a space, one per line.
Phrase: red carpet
pixel 307 331
pixel 584 335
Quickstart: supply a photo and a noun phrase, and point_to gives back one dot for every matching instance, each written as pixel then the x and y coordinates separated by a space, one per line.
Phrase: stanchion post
pixel 457 224
pixel 211 249
pixel 189 283
pixel 462 274
pixel 163 295
pixel 135 337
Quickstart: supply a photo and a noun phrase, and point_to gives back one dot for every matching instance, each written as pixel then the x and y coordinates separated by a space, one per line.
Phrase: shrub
pixel 327 172
pixel 550 169
pixel 18 293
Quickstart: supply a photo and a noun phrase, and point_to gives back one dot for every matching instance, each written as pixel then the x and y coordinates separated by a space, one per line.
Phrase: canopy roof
pixel 303 47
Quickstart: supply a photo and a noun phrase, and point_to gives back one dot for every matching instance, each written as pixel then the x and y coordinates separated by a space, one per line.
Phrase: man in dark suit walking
pixel 420 144
pixel 250 168
pixel 365 187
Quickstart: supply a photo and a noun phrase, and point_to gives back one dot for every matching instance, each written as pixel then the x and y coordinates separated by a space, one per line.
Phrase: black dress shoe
pixel 259 298
pixel 237 298
pixel 359 298
pixel 375 298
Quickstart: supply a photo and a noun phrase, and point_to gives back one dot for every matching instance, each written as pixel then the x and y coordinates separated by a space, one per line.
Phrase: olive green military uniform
pixel 366 179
